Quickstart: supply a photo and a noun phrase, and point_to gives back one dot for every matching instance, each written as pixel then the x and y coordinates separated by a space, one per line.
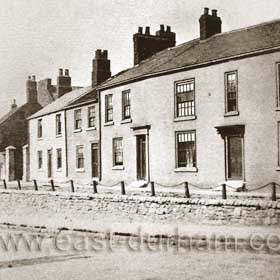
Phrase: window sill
pixel 58 136
pixel 40 138
pixel 231 114
pixel 91 128
pixel 277 109
pixel 277 168
pixel 118 167
pixel 77 130
pixel 59 170
pixel 109 123
pixel 186 169
pixel 80 170
pixel 187 118
pixel 126 121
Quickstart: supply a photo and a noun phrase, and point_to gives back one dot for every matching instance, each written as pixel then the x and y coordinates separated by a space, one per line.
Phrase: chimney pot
pixel 66 72
pixel 147 31
pixel 140 30
pixel 206 11
pixel 33 77
pixel 168 28
pixel 60 71
pixel 98 54
pixel 105 54
pixel 162 27
pixel 214 13
pixel 29 77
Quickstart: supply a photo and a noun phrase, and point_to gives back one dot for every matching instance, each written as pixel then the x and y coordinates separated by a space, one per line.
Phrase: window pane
pixel 185 99
pixel 108 108
pixel 117 151
pixel 231 92
pixel 91 116
pixel 78 119
pixel 186 153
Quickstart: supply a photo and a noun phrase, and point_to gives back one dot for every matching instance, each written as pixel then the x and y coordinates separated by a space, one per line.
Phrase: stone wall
pixel 86 211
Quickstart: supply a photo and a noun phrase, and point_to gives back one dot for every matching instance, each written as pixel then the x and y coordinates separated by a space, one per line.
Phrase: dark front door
pixel 235 157
pixel 95 160
pixel 49 163
pixel 141 157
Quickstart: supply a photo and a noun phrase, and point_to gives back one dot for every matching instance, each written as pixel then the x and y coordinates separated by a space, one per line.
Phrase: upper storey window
pixel 126 105
pixel 231 87
pixel 278 83
pixel 109 108
pixel 78 119
pixel 39 129
pixel 185 98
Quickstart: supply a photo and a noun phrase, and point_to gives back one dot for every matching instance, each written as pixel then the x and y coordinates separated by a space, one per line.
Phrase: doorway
pixel 141 157
pixel 49 163
pixel 95 160
pixel 234 157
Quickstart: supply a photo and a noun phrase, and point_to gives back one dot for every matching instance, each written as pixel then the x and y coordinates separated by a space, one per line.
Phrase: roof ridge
pixel 246 28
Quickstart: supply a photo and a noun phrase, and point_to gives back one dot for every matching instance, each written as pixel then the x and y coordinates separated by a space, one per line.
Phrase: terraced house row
pixel 206 111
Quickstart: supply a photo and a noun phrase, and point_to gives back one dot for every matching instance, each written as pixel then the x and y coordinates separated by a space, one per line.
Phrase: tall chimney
pixel 101 67
pixel 146 45
pixel 14 105
pixel 31 90
pixel 63 82
pixel 209 24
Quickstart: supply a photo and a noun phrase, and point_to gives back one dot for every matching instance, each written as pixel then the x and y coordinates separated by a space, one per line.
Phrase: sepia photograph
pixel 139 140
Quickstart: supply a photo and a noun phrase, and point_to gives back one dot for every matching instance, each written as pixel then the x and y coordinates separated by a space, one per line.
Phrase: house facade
pixel 205 112
pixel 64 136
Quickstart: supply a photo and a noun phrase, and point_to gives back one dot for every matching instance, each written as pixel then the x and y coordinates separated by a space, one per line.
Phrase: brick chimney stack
pixel 209 24
pixel 101 67
pixel 31 90
pixel 14 105
pixel 63 82
pixel 146 45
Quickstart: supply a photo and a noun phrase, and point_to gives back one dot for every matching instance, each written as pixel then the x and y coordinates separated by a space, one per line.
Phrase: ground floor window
pixel 80 157
pixel 40 159
pixel 117 151
pixel 186 149
pixel 59 158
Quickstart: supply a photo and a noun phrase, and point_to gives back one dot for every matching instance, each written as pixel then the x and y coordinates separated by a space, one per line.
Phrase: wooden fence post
pixel 187 191
pixel 72 186
pixel 35 185
pixel 153 193
pixel 224 191
pixel 122 188
pixel 19 185
pixel 52 186
pixel 94 187
pixel 5 184
pixel 273 194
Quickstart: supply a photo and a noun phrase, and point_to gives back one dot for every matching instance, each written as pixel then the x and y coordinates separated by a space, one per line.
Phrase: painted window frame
pixel 40 159
pixel 78 119
pixel 194 163
pixel 126 105
pixel 58 125
pixel 39 128
pixel 278 84
pixel 58 158
pixel 91 117
pixel 117 151
pixel 109 111
pixel 80 157
pixel 227 92
pixel 189 109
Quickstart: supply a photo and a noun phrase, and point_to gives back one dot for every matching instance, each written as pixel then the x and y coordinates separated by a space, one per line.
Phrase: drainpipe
pixel 100 134
pixel 66 146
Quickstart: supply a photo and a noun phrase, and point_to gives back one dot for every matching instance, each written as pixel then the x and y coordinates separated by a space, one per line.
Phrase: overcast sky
pixel 39 36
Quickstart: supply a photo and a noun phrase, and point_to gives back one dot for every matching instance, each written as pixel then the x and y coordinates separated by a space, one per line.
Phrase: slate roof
pixel 218 47
pixel 63 101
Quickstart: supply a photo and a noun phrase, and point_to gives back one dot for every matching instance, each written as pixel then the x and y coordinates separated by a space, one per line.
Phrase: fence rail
pixel 122 187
